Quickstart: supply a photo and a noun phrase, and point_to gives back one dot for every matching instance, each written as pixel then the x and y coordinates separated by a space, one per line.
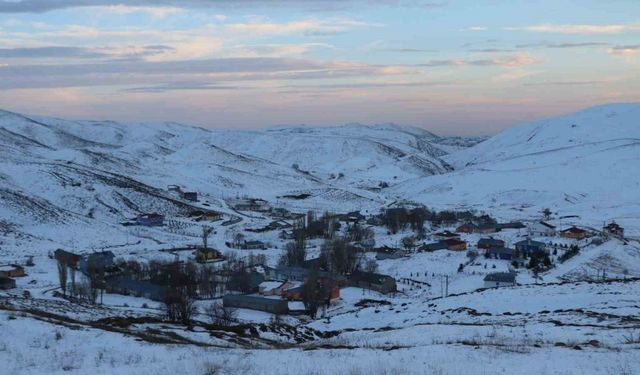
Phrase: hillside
pixel 580 164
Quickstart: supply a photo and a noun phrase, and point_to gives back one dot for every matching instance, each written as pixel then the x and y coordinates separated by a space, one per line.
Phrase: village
pixel 256 262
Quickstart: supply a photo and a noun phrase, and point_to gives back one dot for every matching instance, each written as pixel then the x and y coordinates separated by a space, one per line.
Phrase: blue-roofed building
pixel 243 301
pixel 528 246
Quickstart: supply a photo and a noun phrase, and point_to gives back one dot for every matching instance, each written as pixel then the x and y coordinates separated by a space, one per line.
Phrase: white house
pixel 499 279
pixel 541 228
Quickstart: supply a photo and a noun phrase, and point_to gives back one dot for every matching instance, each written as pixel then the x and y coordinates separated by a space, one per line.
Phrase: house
pixel 367 244
pixel 374 281
pixel 541 228
pixel 199 215
pixel 253 245
pixel 150 220
pixel 102 260
pixel 281 213
pixel 573 233
pixel 245 284
pixel 466 228
pixel 295 294
pixel 445 235
pixel 440 245
pixel 175 188
pixel 250 204
pixel 208 254
pixel 65 257
pixel 501 252
pixel 301 274
pixel 270 305
pixel 13 270
pixel 613 229
pixel 511 225
pixel 499 279
pixel 126 285
pixel 473 228
pixel 390 254
pixel 528 246
pixel 455 244
pixel 487 243
pixel 190 196
pixel 287 235
pixel 7 283
pixel 273 288
pixel 486 228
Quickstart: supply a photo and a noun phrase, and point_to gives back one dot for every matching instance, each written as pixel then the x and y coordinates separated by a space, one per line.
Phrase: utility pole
pixel 447 286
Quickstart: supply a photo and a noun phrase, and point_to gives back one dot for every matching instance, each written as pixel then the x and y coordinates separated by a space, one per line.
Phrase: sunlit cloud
pixel 578 29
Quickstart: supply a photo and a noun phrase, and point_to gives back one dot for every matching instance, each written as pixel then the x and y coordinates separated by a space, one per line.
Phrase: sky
pixel 455 67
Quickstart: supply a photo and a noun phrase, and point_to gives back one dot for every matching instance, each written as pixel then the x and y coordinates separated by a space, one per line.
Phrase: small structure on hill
pixel 12 270
pixel 487 243
pixel 455 244
pixel 613 229
pixel 574 233
pixel 7 283
pixel 501 252
pixel 542 228
pixel 529 246
pixel 369 280
pixel 445 235
pixel 102 261
pixel 208 254
pixel 150 220
pixel 190 196
pixel 510 225
pixel 500 279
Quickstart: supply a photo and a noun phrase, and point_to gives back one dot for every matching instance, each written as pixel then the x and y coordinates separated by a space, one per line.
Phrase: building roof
pixel 511 225
pixel 502 250
pixel 6 280
pixel 574 230
pixel 371 277
pixel 530 242
pixel 447 233
pixel 434 246
pixel 453 242
pixel 253 299
pixel 547 225
pixel 490 242
pixel 503 277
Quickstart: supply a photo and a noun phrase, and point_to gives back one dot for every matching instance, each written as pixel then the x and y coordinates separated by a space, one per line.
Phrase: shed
pixel 499 279
pixel 7 283
pixel 270 305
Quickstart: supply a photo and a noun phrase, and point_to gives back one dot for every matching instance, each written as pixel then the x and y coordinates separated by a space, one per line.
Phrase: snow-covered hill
pixel 583 164
pixel 91 174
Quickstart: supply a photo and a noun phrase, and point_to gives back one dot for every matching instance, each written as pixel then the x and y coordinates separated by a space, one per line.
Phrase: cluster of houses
pixel 275 287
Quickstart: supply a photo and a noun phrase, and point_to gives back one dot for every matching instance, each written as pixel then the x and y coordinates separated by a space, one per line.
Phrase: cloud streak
pixel 578 28
pixel 41 6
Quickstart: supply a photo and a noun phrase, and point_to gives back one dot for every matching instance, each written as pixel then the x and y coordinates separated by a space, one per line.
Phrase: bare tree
pixel 371 265
pixel 313 293
pixel 221 315
pixel 62 276
pixel 206 231
pixel 179 306
pixel 294 254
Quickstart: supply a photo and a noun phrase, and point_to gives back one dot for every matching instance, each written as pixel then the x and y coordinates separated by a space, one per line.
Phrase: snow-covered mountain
pixel 585 164
pixel 62 172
